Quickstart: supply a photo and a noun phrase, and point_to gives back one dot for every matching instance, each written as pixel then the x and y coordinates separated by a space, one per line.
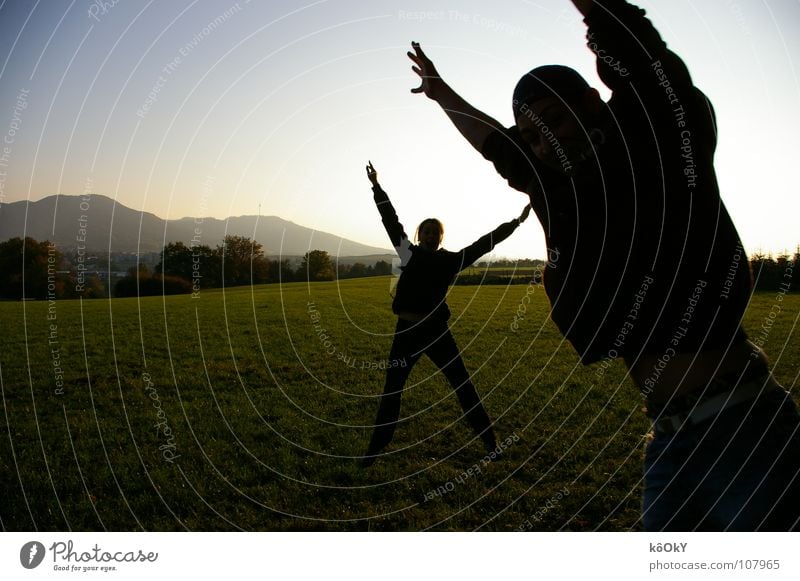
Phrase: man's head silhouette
pixel 556 111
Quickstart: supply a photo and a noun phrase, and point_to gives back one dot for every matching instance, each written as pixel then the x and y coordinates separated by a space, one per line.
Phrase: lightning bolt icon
pixel 34 550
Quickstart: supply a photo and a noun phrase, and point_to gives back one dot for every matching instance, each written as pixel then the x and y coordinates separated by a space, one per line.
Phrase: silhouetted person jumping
pixel 646 265
pixel 422 315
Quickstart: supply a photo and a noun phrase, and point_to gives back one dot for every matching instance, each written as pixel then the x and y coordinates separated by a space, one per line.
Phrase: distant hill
pixel 112 226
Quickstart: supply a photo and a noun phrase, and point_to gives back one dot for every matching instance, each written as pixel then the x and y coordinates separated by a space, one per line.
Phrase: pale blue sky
pixel 281 104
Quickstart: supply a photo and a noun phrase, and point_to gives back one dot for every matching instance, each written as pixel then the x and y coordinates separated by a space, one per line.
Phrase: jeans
pixel 434 339
pixel 737 471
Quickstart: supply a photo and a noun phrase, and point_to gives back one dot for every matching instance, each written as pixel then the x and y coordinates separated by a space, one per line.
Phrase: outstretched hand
pixel 430 79
pixel 372 174
pixel 524 215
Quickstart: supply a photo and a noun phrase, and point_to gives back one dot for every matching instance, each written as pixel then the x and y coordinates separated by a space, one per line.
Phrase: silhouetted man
pixel 646 264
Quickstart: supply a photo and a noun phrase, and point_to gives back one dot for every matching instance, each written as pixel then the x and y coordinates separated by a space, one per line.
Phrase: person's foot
pixel 492 449
pixel 494 454
pixel 369 458
pixel 489 443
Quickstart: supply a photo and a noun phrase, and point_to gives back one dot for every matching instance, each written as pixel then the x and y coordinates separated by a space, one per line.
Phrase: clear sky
pixel 212 108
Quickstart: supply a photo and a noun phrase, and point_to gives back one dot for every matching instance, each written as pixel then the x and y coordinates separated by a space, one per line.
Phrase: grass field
pixel 516 274
pixel 245 409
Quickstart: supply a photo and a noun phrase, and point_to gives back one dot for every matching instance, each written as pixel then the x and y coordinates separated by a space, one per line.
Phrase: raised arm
pixel 394 228
pixel 485 244
pixel 473 124
pixel 629 48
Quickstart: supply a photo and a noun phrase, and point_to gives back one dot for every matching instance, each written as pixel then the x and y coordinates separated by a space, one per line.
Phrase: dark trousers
pixel 434 339
pixel 739 471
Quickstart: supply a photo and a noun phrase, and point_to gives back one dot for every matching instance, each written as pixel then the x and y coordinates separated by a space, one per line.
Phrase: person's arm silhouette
pixel 394 228
pixel 473 124
pixel 485 244
pixel 628 49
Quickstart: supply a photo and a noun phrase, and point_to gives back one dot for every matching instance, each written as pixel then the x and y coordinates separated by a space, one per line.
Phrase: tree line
pixel 237 261
pixel 37 270
pixel 779 273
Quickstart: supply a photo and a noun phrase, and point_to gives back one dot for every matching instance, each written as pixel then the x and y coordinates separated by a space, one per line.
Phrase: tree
pixel 243 261
pixel 176 260
pixel 128 286
pixel 382 267
pixel 765 270
pixel 317 265
pixel 259 269
pixel 24 264
pixel 280 271
pixel 198 264
pixel 209 268
pixel 92 288
pixel 357 270
pixel 139 282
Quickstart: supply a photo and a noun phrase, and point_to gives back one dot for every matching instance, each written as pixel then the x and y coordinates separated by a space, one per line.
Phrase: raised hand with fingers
pixel 473 124
pixel 423 66
pixel 372 174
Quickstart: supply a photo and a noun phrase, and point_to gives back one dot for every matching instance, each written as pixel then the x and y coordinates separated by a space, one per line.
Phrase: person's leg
pixel 670 499
pixel 405 351
pixel 445 354
pixel 755 481
pixel 739 471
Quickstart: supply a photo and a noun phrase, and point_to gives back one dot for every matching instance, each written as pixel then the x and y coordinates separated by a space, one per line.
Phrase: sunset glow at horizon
pixel 215 109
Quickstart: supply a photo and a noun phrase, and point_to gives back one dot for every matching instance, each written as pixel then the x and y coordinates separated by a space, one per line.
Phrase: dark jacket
pixel 644 257
pixel 426 275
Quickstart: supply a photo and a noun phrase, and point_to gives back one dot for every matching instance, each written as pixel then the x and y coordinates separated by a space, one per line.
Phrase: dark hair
pixel 548 81
pixel 433 221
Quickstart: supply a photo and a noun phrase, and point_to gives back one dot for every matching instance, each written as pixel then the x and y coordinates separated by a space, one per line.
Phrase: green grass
pixel 262 418
pixel 505 272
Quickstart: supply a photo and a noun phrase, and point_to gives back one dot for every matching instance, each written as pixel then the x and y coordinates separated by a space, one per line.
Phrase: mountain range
pixel 106 225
